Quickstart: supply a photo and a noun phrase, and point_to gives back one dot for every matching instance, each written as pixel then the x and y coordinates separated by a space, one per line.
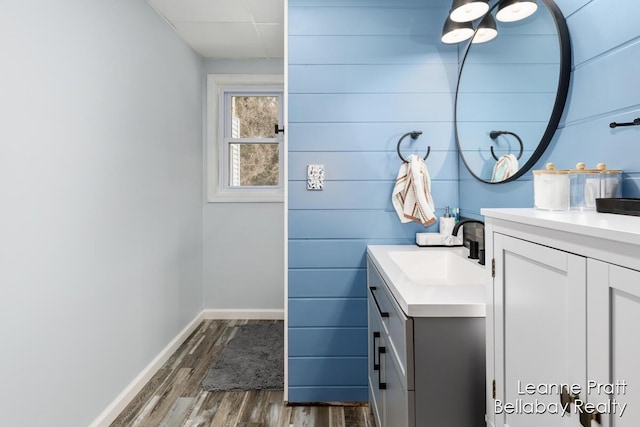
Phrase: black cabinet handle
pixel 382 313
pixel 586 417
pixel 376 366
pixel 567 399
pixel 381 385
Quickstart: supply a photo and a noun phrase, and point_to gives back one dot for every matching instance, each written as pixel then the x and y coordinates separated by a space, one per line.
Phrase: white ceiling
pixel 232 29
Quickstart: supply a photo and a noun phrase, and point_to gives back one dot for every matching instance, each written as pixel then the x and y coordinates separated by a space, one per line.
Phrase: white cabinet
pixel 562 319
pixel 541 326
pixel 613 342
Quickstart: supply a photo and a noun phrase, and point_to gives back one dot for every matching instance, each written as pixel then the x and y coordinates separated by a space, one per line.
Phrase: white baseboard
pixel 117 406
pixel 258 314
pixel 129 393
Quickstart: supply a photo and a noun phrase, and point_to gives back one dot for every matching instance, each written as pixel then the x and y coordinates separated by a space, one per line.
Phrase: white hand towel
pixel 506 167
pixel 411 195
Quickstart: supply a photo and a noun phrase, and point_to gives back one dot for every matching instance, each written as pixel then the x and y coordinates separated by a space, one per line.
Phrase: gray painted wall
pixel 243 256
pixel 243 242
pixel 100 202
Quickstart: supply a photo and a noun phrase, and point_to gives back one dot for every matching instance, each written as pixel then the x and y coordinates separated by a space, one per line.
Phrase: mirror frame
pixel 562 91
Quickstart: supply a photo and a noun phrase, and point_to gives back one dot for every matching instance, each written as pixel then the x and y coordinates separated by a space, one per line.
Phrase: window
pixel 251 146
pixel 244 151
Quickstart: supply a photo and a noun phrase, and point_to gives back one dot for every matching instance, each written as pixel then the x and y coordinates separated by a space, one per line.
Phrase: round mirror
pixel 511 93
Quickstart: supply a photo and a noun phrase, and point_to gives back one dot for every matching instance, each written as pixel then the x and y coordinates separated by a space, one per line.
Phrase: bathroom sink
pixel 433 281
pixel 439 266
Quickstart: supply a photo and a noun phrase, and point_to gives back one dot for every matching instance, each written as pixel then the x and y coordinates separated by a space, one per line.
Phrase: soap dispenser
pixel 447 222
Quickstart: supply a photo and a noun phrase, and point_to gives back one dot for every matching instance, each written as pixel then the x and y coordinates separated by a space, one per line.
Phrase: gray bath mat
pixel 252 360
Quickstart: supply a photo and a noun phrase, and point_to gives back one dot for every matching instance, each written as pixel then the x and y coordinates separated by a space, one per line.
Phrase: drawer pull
pixel 586 417
pixel 381 385
pixel 566 398
pixel 382 313
pixel 376 366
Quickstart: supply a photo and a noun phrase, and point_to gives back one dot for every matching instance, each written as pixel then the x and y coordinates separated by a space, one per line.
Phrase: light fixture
pixel 515 10
pixel 456 32
pixel 468 10
pixel 486 30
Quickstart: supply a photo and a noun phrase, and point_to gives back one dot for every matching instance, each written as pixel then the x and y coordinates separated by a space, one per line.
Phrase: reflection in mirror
pixel 511 93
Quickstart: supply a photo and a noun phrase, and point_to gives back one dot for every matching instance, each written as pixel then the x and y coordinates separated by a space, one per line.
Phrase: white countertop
pixel 618 228
pixel 430 299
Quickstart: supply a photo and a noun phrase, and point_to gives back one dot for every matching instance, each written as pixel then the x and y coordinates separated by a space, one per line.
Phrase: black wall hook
pixel 496 133
pixel 414 135
pixel 636 122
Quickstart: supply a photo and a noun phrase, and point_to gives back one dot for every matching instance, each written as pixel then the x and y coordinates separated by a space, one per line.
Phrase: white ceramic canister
pixel 551 188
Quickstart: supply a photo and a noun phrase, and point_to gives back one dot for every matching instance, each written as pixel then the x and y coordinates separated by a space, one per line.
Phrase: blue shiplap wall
pixel 361 74
pixel 605 41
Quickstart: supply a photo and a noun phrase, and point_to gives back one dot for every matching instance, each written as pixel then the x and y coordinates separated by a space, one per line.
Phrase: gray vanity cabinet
pixel 390 392
pixel 423 371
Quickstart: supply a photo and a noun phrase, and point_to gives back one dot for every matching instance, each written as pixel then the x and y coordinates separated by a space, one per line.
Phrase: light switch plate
pixel 315 177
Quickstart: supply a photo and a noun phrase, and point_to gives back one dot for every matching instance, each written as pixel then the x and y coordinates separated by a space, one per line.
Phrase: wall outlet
pixel 315 177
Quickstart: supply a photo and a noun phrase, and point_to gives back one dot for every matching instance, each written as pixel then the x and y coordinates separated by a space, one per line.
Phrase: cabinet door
pixel 540 332
pixel 613 373
pixel 398 400
pixel 376 342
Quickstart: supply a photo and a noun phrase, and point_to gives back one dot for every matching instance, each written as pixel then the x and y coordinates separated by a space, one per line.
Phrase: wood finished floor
pixel 174 397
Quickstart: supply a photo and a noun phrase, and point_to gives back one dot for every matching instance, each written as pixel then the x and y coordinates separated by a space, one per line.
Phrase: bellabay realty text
pixel 535 399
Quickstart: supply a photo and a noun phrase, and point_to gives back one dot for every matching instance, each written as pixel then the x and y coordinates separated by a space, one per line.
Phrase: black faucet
pixel 474 253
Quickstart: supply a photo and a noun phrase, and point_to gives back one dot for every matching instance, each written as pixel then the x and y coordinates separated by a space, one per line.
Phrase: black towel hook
pixel 495 133
pixel 414 135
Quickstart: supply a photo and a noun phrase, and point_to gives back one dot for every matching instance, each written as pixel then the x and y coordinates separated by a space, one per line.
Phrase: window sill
pixel 262 197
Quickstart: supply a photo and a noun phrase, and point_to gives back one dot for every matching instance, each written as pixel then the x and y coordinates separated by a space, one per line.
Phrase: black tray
pixel 619 206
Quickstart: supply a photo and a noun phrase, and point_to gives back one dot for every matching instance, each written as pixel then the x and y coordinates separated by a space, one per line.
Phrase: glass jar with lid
pixel 610 182
pixel 584 187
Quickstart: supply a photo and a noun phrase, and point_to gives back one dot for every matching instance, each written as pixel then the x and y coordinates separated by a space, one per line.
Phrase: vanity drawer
pixel 397 327
pixel 375 342
pixel 399 402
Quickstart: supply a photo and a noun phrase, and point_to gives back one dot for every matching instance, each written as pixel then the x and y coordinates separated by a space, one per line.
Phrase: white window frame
pixel 217 86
